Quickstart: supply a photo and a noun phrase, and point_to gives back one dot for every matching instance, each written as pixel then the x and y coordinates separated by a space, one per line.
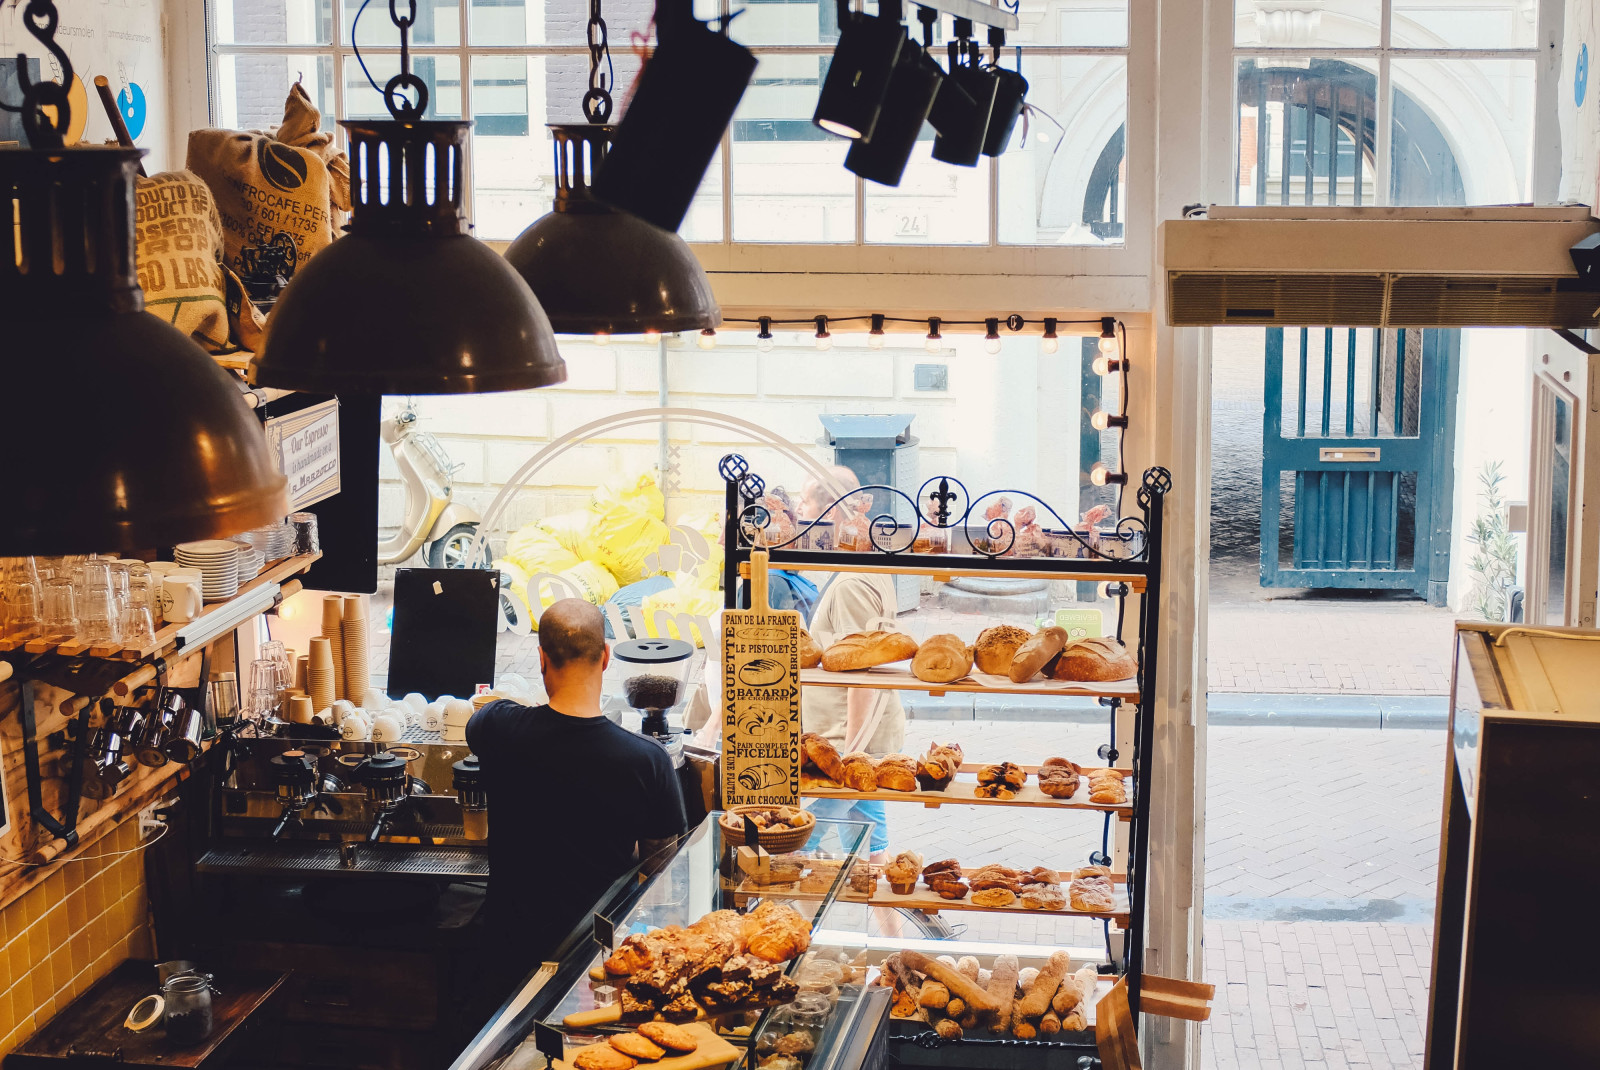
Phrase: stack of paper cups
pixel 320 674
pixel 333 632
pixel 301 681
pixel 357 671
pixel 300 709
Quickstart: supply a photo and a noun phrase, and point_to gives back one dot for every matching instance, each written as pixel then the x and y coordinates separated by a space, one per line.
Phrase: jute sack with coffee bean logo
pixel 178 247
pixel 287 185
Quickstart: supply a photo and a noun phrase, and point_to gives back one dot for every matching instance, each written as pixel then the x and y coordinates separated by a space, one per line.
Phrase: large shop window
pixel 514 65
pixel 1333 110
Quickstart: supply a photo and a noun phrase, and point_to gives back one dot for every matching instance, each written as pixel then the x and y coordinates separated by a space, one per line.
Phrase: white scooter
pixel 445 527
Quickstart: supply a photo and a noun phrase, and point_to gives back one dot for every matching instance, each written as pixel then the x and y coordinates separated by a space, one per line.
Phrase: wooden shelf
pixel 960 793
pixel 944 567
pixel 167 635
pixel 929 902
pixel 898 678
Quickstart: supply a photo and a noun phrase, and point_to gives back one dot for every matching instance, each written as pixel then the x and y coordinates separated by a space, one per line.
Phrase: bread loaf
pixel 1032 655
pixel 822 754
pixel 942 659
pixel 860 773
pixel 810 651
pixel 1094 660
pixel 897 772
pixel 995 648
pixel 863 650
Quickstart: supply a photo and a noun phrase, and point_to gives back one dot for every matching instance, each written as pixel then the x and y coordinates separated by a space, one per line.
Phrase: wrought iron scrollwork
pixel 941 504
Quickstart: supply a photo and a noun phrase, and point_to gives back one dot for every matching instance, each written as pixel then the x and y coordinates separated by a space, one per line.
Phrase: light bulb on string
pixel 708 338
pixel 602 338
pixel 935 341
pixel 1102 421
pixel 1108 336
pixel 764 334
pixel 991 335
pixel 1105 365
pixel 1101 476
pixel 824 338
pixel 1049 343
pixel 875 337
pixel 1112 589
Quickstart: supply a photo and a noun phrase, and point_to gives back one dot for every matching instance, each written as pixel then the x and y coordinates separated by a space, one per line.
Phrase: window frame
pixel 1125 266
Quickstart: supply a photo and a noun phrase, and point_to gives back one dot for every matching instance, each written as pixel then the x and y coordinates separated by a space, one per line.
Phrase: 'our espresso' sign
pixel 760 704
pixel 306 446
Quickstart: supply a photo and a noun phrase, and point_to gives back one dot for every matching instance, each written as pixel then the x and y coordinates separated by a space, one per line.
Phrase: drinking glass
pixel 22 596
pixel 266 688
pixel 135 625
pixel 60 608
pixel 141 592
pixel 274 650
pixel 118 572
pixel 98 621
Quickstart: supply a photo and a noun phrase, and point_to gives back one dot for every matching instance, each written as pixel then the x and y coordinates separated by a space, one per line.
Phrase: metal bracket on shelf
pixel 983 14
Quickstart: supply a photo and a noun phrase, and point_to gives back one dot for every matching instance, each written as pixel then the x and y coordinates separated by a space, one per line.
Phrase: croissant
pixel 822 754
pixel 810 651
pixel 775 932
pixel 859 773
pixel 897 772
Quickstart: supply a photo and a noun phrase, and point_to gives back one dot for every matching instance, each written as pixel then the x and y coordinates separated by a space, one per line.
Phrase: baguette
pixel 956 1007
pixel 1050 1024
pixel 1003 990
pixel 1037 1000
pixel 863 650
pixel 960 986
pixel 935 996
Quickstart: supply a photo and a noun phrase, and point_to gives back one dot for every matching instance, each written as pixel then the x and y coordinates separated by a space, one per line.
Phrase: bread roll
pixel 1095 661
pixel 995 648
pixel 860 772
pixel 822 754
pixel 863 650
pixel 897 772
pixel 942 659
pixel 810 651
pixel 1032 655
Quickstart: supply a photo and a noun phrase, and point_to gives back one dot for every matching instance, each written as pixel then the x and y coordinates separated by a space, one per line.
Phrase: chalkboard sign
pixel 445 621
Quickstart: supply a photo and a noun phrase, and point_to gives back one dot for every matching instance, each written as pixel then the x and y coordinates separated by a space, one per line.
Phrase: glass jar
pixel 188 1008
pixel 821 977
pixel 800 1034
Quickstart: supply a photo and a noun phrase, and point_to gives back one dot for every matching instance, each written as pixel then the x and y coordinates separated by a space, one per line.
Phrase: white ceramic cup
pixel 181 599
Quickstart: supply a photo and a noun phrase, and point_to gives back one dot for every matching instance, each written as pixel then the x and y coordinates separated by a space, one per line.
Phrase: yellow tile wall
pixel 66 933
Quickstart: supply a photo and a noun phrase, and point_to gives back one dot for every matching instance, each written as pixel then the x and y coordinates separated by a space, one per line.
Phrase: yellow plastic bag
pixel 536 550
pixel 585 580
pixel 573 531
pixel 621 539
pixel 680 603
pixel 640 494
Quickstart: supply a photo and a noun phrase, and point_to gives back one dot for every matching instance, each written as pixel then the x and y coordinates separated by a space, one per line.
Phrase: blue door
pixel 1358 458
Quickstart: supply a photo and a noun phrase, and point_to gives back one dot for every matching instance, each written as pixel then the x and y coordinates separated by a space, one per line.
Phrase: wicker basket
pixel 777 841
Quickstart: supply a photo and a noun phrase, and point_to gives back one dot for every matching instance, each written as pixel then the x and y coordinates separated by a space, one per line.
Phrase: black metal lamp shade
pixel 961 129
pixel 122 432
pixel 408 302
pixel 683 102
pixel 1010 90
pixel 912 91
pixel 853 93
pixel 602 271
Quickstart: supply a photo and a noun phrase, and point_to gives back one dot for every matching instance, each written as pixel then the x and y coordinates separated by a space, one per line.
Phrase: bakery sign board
pixel 306 446
pixel 760 703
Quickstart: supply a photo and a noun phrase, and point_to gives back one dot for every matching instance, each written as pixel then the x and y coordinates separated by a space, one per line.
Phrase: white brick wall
pixel 1005 421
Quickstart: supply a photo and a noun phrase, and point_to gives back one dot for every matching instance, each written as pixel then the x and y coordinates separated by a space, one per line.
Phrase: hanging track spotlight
pixel 853 93
pixel 69 286
pixel 682 104
pixel 408 302
pixel 1010 89
pixel 913 88
pixel 961 130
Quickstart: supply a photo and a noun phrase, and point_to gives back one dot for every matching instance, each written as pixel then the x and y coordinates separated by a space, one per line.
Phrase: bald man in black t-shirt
pixel 574 800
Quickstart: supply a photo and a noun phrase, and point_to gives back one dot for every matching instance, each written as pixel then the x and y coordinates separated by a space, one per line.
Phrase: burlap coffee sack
pixel 268 190
pixel 178 245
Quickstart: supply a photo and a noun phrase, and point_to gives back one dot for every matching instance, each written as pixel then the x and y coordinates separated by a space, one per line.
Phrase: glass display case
pixel 703 872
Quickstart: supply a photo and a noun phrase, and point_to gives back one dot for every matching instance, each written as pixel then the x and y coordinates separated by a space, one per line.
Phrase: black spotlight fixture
pixel 913 88
pixel 408 302
pixel 598 269
pixel 683 102
pixel 1010 90
pixel 961 130
pixel 88 367
pixel 853 93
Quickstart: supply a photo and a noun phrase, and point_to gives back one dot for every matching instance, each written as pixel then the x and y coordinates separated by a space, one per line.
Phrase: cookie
pixel 602 1057
pixel 994 897
pixel 635 1046
pixel 670 1036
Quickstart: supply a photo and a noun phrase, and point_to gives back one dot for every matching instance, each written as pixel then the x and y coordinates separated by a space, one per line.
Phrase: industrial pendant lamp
pixel 408 302
pixel 123 433
pixel 913 88
pixel 597 269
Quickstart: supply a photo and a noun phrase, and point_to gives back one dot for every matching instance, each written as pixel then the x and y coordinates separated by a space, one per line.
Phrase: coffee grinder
pixel 655 675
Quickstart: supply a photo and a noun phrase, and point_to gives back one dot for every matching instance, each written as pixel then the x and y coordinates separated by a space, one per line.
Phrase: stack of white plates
pixel 251 559
pixel 218 562
pixel 276 541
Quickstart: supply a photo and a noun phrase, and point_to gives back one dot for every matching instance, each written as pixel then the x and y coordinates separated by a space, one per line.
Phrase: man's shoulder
pixel 632 747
